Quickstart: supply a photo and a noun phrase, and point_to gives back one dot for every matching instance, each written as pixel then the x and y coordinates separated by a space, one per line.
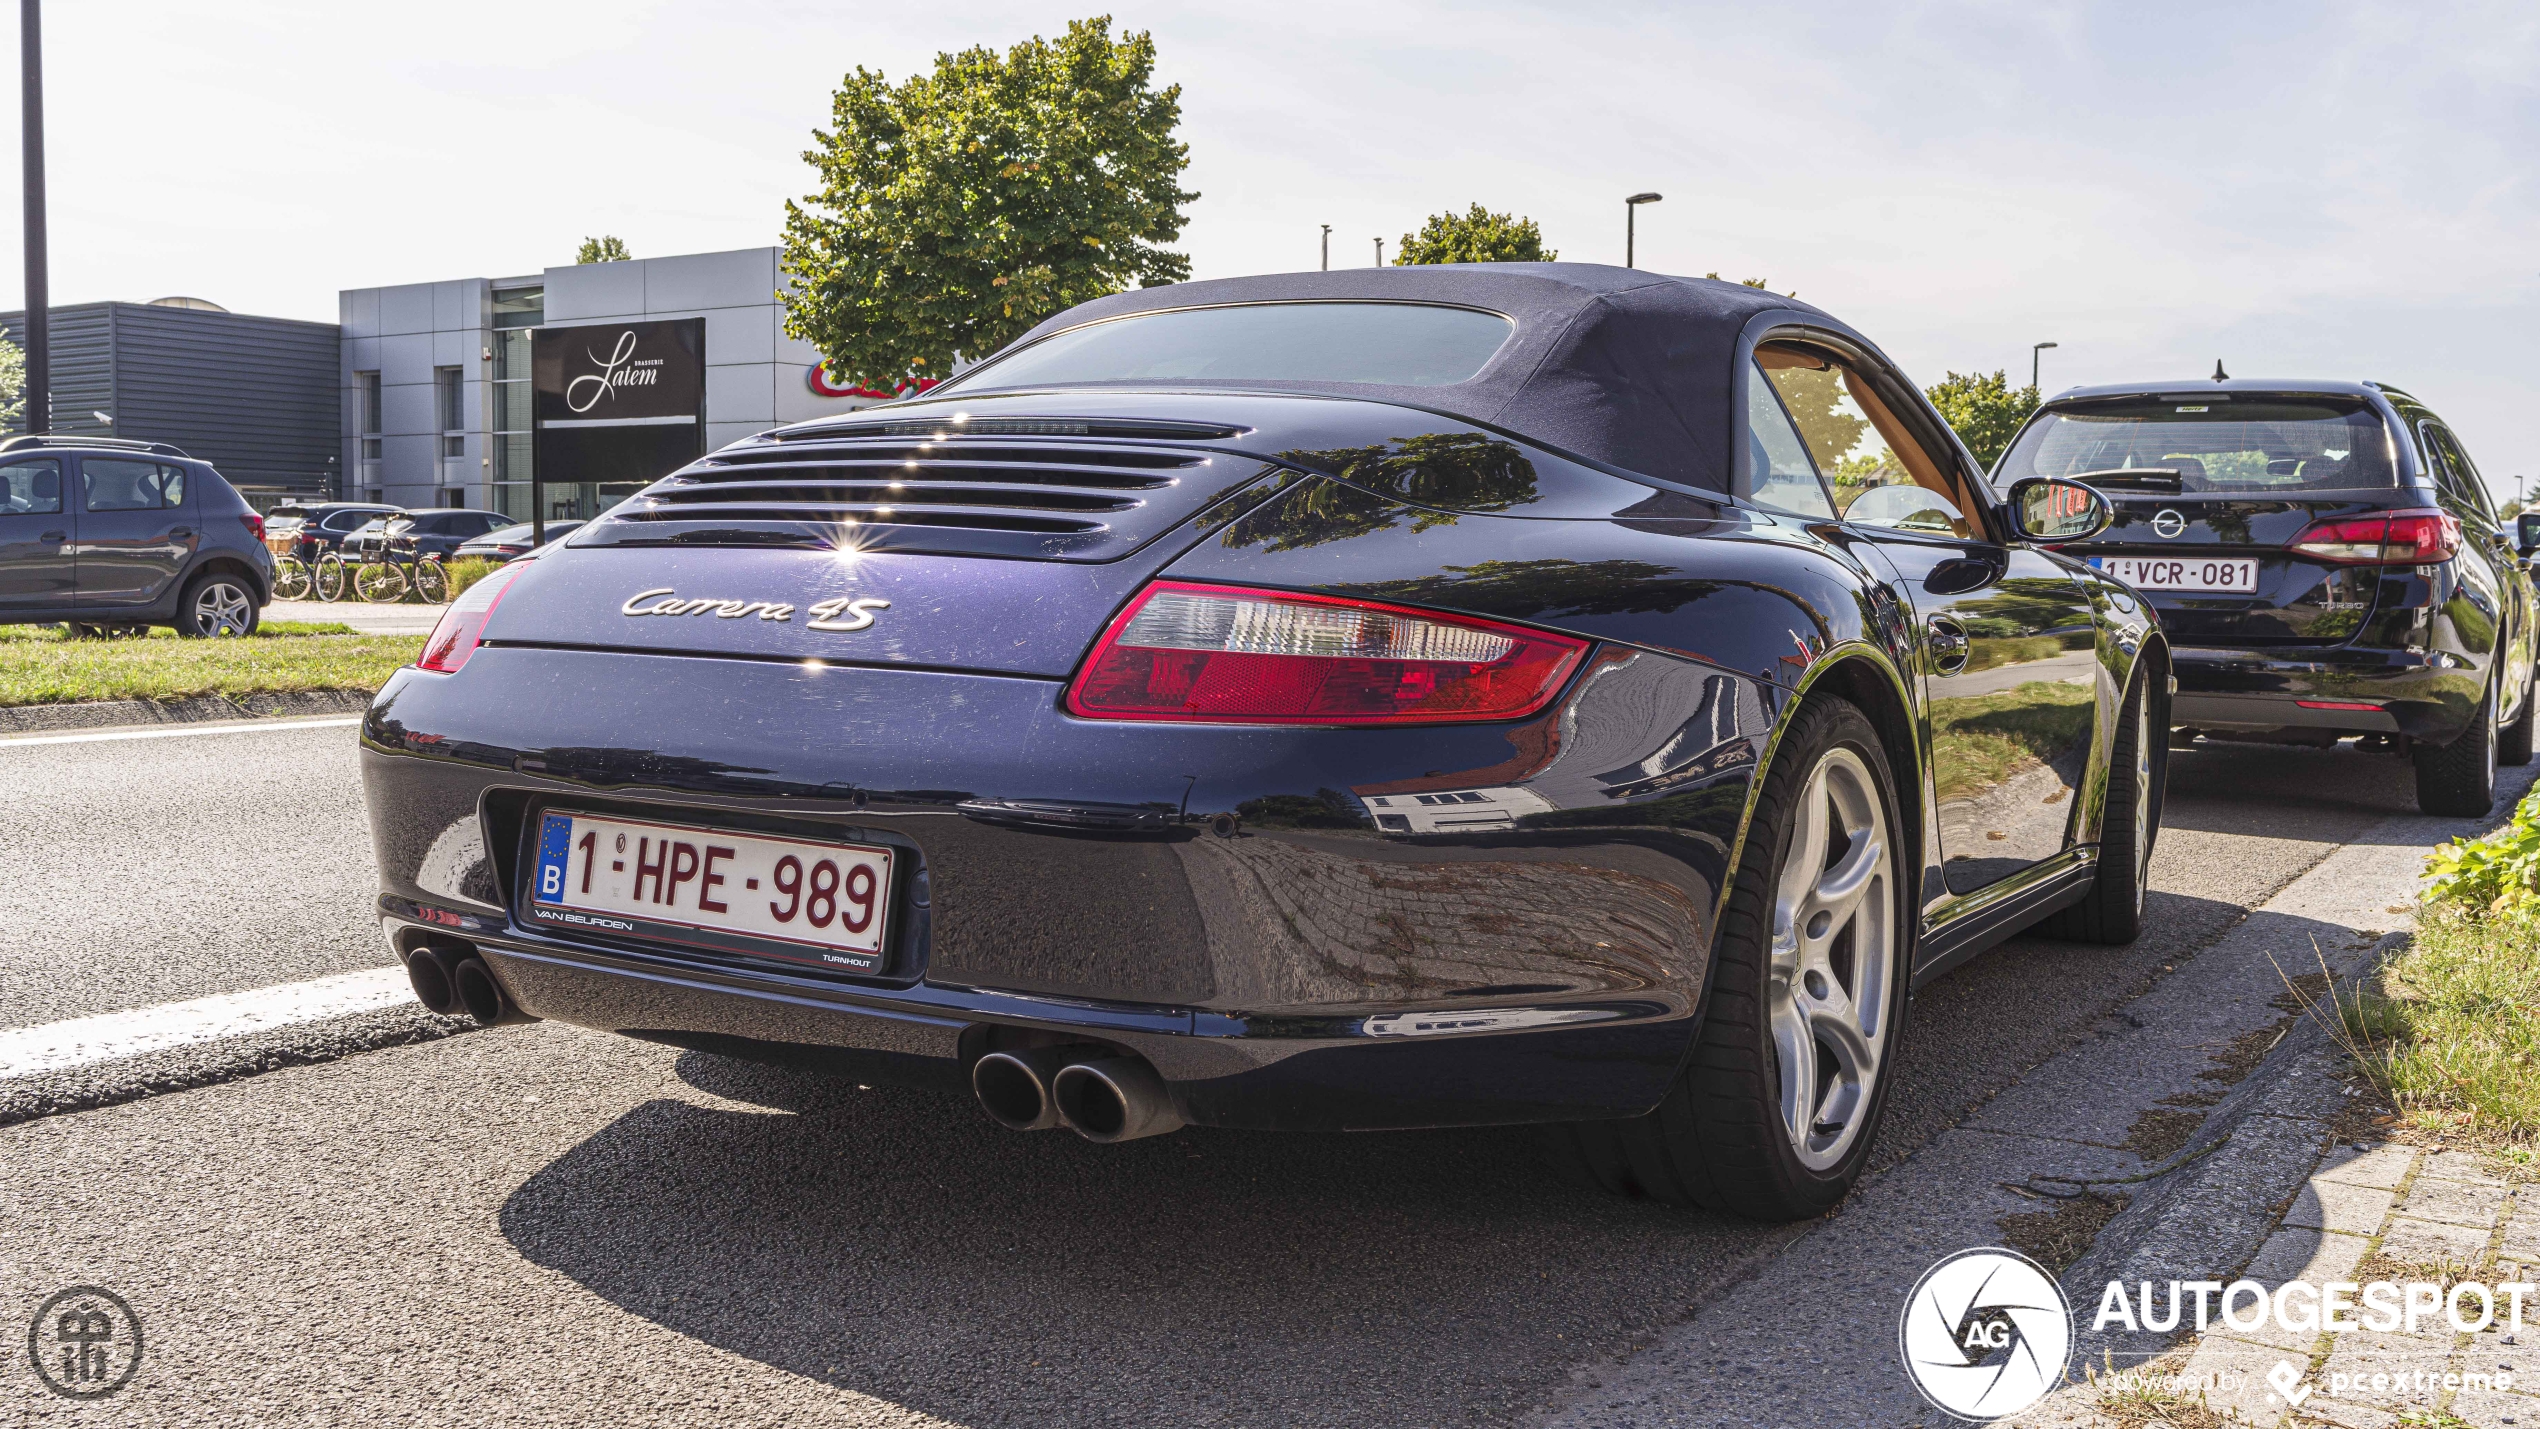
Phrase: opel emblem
pixel 2168 524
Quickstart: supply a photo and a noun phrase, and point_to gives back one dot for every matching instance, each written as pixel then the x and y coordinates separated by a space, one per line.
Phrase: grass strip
pixel 39 665
pixel 2451 1032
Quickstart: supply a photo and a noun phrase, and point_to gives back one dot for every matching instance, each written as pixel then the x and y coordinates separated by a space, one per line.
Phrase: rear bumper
pixel 1217 901
pixel 2429 696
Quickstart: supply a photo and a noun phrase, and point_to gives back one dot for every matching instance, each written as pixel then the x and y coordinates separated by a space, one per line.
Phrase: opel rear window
pixel 2219 442
pixel 1385 344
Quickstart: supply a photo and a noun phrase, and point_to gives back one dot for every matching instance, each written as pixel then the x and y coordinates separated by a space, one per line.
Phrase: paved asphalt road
pixel 542 1225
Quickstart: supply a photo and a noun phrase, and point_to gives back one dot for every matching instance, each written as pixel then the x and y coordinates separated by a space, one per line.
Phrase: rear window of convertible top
pixel 2216 442
pixel 1389 344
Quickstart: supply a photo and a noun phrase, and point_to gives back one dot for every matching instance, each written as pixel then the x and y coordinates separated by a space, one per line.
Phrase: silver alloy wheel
pixel 1834 949
pixel 223 608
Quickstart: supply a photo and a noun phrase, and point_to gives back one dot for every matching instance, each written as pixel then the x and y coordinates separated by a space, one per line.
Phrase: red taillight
pixel 463 624
pixel 2338 705
pixel 255 525
pixel 1231 655
pixel 2392 538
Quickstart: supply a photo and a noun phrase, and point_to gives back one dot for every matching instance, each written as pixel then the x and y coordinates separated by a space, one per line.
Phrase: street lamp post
pixel 1631 207
pixel 2033 351
pixel 1380 253
pixel 39 313
pixel 1327 248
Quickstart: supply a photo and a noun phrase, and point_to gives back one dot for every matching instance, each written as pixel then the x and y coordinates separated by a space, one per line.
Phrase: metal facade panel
pixel 257 397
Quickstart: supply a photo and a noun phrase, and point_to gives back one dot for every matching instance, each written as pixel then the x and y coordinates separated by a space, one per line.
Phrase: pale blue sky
pixel 2297 189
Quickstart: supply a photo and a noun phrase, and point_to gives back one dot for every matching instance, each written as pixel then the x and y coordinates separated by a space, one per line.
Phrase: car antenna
pixel 2219 374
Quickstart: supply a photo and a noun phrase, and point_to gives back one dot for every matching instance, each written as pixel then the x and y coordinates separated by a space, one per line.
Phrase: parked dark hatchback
pixel 2325 559
pixel 309 530
pixel 1396 698
pixel 428 531
pixel 101 535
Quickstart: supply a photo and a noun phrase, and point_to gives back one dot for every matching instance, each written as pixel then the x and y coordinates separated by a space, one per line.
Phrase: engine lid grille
pixel 1000 492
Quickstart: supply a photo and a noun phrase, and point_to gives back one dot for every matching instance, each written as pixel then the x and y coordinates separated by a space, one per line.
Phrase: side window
pixel 1879 474
pixel 1784 477
pixel 114 485
pixel 172 487
pixel 2463 481
pixel 30 488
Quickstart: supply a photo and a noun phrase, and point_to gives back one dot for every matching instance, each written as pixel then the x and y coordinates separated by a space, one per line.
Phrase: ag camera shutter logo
pixel 1985 1333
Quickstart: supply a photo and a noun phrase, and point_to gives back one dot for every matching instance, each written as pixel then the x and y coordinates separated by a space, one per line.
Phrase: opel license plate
pixel 820 903
pixel 2230 575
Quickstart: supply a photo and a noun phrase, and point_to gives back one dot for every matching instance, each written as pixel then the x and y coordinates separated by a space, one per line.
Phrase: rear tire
pixel 291 579
pixel 431 583
pixel 2514 745
pixel 216 603
pixel 2458 780
pixel 1808 972
pixel 2129 824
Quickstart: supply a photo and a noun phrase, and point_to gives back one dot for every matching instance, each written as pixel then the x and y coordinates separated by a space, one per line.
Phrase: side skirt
pixel 1967 926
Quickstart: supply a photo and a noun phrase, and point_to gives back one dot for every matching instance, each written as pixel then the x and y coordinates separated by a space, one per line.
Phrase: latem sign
pixel 620 374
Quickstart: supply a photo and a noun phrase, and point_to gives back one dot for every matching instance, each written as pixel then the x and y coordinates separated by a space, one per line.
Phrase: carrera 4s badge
pixel 840 613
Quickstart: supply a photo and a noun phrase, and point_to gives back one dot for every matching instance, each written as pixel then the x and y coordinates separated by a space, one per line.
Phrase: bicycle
pixel 292 579
pixel 431 582
pixel 381 580
pixel 328 578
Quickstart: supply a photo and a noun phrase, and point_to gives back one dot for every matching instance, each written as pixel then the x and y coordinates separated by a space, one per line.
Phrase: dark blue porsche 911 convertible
pixel 1406 697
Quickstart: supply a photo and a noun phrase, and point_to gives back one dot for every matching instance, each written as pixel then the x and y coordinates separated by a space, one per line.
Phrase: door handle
pixel 54 536
pixel 1950 646
pixel 180 532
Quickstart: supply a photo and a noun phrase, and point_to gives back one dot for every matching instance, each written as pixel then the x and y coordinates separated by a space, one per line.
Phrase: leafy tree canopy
pixel 1985 411
pixel 958 208
pixel 12 384
pixel 1476 236
pixel 607 248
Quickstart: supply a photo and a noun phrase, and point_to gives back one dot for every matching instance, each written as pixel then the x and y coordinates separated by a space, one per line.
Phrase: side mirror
pixel 2051 510
pixel 2527 532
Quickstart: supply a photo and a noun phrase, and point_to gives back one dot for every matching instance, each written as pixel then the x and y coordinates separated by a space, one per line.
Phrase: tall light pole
pixel 2033 351
pixel 1631 207
pixel 1327 248
pixel 39 299
pixel 1380 253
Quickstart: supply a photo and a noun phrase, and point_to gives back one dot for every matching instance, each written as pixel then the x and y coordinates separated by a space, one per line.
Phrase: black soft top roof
pixel 1628 368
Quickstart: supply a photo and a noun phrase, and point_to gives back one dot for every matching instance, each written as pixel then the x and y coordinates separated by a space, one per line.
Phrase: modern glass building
pixel 436 376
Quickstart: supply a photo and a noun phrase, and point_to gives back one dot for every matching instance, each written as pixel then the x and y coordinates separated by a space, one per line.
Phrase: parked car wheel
pixel 1773 1114
pixel 216 603
pixel 2514 745
pixel 2458 779
pixel 2129 821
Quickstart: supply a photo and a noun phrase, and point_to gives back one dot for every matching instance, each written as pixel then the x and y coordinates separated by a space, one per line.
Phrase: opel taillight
pixel 1232 655
pixel 462 626
pixel 2420 537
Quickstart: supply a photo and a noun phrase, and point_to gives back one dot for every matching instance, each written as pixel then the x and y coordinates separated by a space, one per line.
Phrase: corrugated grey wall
pixel 256 397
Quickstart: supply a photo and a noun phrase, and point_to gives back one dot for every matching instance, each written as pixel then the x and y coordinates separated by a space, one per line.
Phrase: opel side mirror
pixel 2050 510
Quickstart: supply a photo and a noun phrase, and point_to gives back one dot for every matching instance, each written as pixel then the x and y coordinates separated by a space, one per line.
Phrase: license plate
pixel 819 903
pixel 2237 576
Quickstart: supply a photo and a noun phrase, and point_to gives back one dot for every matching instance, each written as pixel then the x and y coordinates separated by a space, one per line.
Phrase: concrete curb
pixel 229 1059
pixel 2251 1156
pixel 197 709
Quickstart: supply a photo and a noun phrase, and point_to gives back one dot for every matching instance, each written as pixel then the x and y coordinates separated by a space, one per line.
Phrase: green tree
pixel 958 208
pixel 1985 411
pixel 1477 236
pixel 607 248
pixel 12 384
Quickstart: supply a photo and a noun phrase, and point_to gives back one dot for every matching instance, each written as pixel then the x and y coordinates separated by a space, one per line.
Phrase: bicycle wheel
pixel 291 579
pixel 432 584
pixel 380 582
pixel 329 577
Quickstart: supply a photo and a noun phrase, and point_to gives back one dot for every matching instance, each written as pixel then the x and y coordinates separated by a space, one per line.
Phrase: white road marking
pixel 177 731
pixel 27 1051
